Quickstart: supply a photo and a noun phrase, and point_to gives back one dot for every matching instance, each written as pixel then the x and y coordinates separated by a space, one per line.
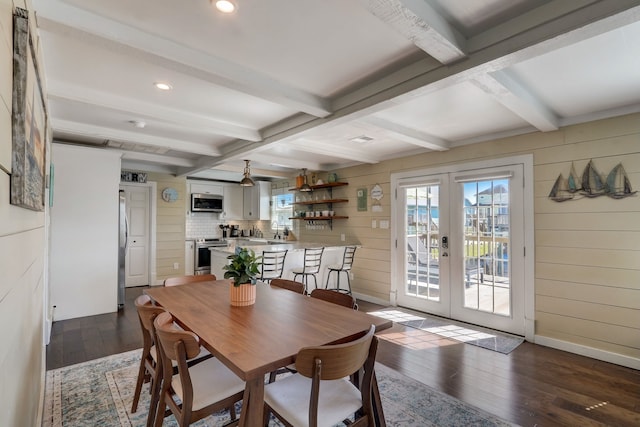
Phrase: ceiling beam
pixel 156 158
pixel 61 18
pixel 138 110
pixel 285 162
pixel 419 22
pixel 405 134
pixel 331 150
pixel 82 129
pixel 505 89
pixel 254 171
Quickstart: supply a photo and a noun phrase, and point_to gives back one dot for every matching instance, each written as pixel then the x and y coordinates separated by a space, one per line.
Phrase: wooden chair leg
pixel 155 397
pixel 136 393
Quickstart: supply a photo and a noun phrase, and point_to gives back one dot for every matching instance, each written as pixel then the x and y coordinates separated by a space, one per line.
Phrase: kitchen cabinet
pixel 327 201
pixel 203 187
pixel 189 248
pixel 256 201
pixel 233 202
pixel 219 260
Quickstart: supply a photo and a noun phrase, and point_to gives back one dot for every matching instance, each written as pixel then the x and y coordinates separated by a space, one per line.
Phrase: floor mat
pixel 463 332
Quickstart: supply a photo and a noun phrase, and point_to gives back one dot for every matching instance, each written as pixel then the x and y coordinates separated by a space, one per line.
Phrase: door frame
pixel 152 188
pixel 397 263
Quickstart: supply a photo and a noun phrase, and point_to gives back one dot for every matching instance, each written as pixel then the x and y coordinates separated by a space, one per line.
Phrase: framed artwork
pixel 361 194
pixel 28 122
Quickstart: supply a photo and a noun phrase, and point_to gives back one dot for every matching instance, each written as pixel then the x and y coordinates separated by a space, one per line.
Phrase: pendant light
pixel 246 180
pixel 305 186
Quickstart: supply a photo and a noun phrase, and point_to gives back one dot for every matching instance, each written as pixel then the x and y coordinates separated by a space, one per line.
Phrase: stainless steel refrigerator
pixel 123 235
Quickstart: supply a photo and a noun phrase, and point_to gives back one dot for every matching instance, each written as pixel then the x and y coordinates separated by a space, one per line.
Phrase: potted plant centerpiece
pixel 242 270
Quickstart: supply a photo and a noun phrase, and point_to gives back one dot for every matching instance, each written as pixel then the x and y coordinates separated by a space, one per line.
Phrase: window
pixel 281 210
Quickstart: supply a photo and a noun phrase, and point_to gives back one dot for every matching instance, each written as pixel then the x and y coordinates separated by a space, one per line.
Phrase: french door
pixel 460 245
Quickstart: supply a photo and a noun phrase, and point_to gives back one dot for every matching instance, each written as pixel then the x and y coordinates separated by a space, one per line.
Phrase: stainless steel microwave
pixel 201 202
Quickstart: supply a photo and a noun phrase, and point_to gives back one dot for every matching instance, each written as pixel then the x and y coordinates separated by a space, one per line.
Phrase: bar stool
pixel 272 265
pixel 311 267
pixel 345 267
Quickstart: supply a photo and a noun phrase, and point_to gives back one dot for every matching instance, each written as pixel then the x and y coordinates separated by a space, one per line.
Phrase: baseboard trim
pixel 369 298
pixel 594 353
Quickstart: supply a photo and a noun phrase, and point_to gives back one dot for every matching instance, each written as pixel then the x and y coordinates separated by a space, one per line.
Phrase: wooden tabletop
pixel 255 340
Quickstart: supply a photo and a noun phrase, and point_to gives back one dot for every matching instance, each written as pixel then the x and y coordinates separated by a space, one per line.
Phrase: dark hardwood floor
pixel 531 386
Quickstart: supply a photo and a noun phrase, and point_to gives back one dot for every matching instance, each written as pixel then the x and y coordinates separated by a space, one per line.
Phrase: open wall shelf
pixel 329 186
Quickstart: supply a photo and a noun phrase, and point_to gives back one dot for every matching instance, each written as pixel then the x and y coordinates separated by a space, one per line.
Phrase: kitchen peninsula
pixel 332 255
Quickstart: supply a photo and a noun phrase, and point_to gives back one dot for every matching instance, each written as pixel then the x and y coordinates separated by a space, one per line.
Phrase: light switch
pixel 384 223
pixel 374 223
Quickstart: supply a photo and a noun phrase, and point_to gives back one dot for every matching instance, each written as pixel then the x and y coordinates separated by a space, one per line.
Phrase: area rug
pixel 463 332
pixel 100 392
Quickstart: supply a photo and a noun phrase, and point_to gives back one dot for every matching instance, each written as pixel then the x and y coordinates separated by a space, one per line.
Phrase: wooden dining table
pixel 255 340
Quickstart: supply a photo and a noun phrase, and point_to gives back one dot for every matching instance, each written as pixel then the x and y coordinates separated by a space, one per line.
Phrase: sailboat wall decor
pixel 616 185
pixel 592 183
pixel 559 191
pixel 573 183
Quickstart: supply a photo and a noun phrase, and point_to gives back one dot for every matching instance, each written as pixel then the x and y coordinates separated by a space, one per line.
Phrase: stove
pixel 211 242
pixel 202 258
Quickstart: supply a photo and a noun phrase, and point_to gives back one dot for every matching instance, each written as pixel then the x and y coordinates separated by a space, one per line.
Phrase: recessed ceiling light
pixel 225 6
pixel 163 86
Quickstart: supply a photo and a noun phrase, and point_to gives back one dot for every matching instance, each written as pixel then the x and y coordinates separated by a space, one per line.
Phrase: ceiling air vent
pixel 362 139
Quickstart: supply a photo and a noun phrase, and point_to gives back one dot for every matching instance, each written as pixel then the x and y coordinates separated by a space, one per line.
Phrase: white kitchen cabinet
pixel 256 201
pixel 189 257
pixel 233 202
pixel 202 187
pixel 218 260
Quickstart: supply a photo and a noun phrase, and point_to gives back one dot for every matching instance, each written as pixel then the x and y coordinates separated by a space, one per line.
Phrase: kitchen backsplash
pixel 206 225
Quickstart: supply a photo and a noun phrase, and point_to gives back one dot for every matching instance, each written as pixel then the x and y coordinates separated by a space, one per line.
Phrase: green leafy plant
pixel 244 267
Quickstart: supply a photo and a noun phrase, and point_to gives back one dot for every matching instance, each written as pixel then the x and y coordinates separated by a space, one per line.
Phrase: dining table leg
pixel 252 403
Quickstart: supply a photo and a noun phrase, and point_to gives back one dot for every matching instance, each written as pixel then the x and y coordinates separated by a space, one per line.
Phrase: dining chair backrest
pixel 272 264
pixel 335 297
pixel 289 285
pixel 312 260
pixel 147 313
pixel 337 360
pixel 184 280
pixel 177 344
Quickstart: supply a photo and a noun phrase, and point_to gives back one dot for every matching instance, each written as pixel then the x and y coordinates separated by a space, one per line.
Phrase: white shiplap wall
pixel 22 268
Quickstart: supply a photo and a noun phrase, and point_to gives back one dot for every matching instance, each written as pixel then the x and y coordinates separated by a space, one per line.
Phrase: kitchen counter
pixel 259 245
pixel 332 255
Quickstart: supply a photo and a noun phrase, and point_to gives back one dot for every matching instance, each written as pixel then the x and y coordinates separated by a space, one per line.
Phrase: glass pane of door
pixel 422 233
pixel 486 219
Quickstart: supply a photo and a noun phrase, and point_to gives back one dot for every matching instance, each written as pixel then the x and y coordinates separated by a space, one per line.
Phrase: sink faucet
pixel 277 235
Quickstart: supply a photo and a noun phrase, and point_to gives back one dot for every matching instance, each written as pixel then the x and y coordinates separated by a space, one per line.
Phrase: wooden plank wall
pixel 170 226
pixel 588 250
pixel 22 264
pixel 587 269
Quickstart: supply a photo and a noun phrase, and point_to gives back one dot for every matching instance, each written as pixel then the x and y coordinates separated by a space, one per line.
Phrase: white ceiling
pixel 289 83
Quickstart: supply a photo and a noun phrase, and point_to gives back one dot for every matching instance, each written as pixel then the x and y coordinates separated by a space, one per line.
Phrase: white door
pixel 425 276
pixel 137 257
pixel 461 245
